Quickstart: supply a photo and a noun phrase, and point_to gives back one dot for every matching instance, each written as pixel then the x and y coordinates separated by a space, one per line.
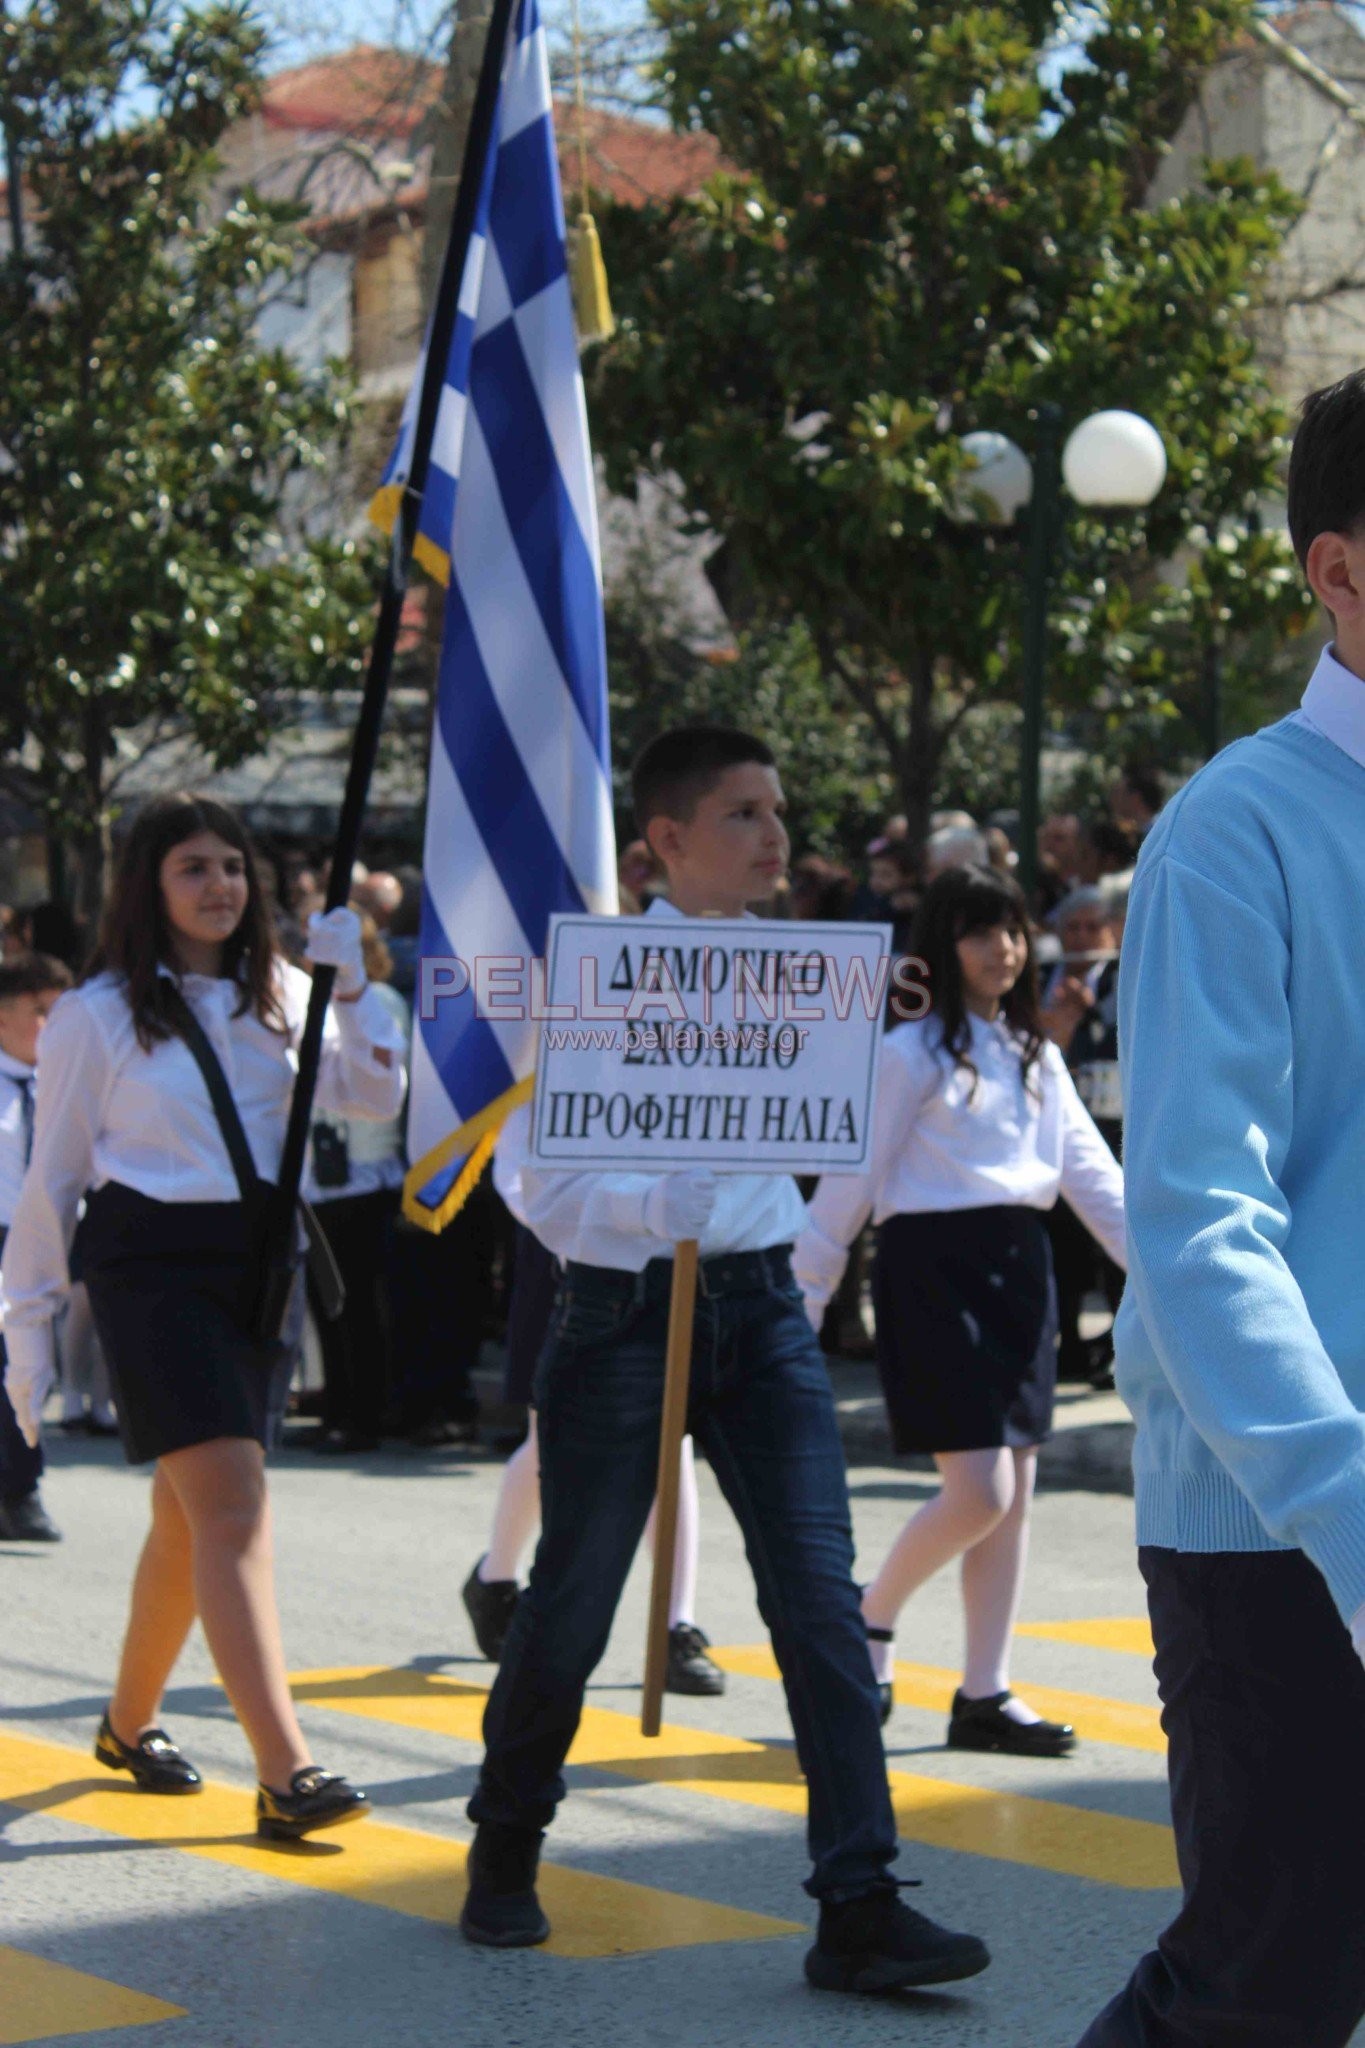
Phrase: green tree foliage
pixel 932 222
pixel 150 449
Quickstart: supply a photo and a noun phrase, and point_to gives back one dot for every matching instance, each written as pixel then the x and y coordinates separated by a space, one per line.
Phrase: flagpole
pixel 277 1275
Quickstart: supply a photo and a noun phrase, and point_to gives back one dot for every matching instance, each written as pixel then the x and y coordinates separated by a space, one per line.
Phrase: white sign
pixel 738 1044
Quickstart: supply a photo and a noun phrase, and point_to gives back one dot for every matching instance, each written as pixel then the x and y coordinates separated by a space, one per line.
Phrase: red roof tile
pixel 383 94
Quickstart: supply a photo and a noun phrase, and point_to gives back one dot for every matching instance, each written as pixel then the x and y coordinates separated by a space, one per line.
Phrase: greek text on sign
pixel 738 1044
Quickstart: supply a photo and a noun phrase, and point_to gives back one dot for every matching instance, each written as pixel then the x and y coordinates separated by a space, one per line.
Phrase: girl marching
pixel 978 1128
pixel 163 1089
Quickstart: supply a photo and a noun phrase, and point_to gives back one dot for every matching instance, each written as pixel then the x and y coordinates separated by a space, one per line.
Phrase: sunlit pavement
pixel 674 1872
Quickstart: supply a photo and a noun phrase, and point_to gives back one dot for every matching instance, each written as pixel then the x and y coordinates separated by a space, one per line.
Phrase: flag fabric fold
pixel 519 815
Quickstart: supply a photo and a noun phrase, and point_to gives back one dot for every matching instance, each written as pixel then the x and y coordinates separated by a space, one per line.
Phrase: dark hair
pixel 1110 840
pixel 678 768
pixel 960 901
pixel 1146 784
pixel 135 937
pixel 51 929
pixel 1327 465
pixel 903 855
pixel 32 974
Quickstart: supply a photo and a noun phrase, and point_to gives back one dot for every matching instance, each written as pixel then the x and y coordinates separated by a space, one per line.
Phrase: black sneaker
pixel 501 1909
pixel 690 1670
pixel 315 1799
pixel 877 1944
pixel 26 1520
pixel 984 1724
pixel 490 1605
pixel 156 1764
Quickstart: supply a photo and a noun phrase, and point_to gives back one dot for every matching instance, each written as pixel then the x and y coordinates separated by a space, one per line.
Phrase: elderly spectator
pixel 380 894
pixel 953 846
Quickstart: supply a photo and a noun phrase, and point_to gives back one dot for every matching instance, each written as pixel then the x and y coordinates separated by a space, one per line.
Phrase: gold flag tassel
pixel 588 277
pixel 587 272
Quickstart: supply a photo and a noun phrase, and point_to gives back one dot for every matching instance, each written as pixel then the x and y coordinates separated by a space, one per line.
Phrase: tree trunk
pixel 917 766
pixel 446 127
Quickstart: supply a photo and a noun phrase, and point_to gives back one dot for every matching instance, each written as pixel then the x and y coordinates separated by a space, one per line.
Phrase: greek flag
pixel 519 820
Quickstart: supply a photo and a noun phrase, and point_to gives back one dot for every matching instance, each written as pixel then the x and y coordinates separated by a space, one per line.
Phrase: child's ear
pixel 1335 568
pixel 661 837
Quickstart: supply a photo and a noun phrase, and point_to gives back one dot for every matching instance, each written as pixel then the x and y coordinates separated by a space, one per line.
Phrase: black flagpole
pixel 278 1272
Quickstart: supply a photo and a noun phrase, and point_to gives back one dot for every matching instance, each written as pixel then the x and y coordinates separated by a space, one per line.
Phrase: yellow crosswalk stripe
pixel 1043 1833
pixel 1094 1718
pixel 375 1863
pixel 1132 1633
pixel 42 2001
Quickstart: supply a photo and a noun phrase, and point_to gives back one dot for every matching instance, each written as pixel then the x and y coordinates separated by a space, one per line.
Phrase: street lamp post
pixel 1046 504
pixel 1113 459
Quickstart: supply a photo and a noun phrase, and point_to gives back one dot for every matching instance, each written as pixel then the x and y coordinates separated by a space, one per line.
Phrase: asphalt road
pixel 676 1887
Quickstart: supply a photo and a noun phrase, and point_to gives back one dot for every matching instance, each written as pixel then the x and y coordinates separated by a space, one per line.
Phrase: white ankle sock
pixel 1015 1710
pixel 883 1657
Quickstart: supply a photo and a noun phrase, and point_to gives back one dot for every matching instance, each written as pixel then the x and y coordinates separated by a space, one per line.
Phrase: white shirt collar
pixel 664 906
pixel 1334 705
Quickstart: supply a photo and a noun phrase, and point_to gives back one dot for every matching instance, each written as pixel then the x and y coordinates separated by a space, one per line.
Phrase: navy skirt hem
pixel 966 1329
pixel 169 1284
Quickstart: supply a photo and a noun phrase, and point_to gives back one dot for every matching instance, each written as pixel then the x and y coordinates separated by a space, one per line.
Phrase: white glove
pixel 28 1382
pixel 334 941
pixel 680 1205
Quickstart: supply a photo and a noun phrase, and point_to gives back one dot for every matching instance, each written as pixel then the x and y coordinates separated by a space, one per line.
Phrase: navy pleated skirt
pixel 535 1281
pixel 966 1312
pixel 170 1285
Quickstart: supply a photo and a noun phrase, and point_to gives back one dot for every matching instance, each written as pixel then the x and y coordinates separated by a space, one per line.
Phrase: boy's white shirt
pixel 598 1219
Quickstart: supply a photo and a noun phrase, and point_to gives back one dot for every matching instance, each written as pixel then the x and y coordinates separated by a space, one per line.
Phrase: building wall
pixel 1312 329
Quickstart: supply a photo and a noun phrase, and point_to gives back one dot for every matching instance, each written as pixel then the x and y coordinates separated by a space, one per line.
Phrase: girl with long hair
pixel 978 1128
pixel 187 976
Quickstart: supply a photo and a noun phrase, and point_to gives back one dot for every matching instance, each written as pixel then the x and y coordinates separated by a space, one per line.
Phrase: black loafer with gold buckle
pixel 156 1764
pixel 315 1799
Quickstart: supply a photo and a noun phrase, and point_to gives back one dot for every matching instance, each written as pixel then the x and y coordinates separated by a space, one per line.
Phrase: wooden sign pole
pixel 672 1430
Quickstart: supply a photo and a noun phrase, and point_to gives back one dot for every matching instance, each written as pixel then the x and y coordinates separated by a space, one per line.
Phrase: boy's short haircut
pixel 675 771
pixel 32 974
pixel 1327 466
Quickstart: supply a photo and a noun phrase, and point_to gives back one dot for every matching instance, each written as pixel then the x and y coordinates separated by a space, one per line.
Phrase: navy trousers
pixel 20 1467
pixel 1263 1702
pixel 762 1410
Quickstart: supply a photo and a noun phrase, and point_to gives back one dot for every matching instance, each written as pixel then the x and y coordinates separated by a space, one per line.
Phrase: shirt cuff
pixel 366 1018
pixel 32 1349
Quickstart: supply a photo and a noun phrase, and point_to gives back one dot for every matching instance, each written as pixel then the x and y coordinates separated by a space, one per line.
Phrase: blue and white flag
pixel 519 816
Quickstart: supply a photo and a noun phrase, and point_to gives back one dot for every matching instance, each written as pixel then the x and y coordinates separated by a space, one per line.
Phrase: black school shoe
pixel 501 1909
pixel 315 1799
pixel 877 1944
pixel 886 1697
pixel 690 1670
pixel 983 1724
pixel 156 1764
pixel 26 1520
pixel 490 1605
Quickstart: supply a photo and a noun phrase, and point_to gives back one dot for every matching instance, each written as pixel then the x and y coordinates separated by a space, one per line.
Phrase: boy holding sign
pixel 710 804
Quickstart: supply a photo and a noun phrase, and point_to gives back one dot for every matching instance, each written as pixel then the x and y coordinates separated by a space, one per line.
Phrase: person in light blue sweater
pixel 1240 1343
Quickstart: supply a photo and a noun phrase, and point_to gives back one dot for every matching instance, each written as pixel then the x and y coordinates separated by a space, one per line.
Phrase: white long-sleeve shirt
pixel 936 1147
pixel 109 1111
pixel 15 1080
pixel 598 1219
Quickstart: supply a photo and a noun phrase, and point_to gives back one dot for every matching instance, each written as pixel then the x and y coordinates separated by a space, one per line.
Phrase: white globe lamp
pixel 1115 459
pixel 996 486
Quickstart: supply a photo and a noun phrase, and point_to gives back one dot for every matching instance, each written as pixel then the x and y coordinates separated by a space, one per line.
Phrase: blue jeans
pixel 762 1411
pixel 20 1467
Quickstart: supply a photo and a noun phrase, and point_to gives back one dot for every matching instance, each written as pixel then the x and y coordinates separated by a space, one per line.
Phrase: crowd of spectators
pixel 400 1360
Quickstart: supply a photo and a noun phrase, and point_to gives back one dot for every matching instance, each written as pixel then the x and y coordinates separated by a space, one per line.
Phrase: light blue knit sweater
pixel 1241 1338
